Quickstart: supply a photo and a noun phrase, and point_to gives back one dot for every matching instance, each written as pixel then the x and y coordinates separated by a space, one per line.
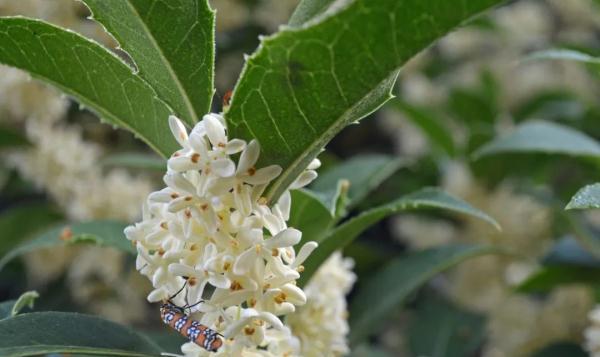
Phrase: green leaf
pixel 345 233
pixel 364 173
pixel 435 131
pixel 91 74
pixel 135 160
pixel 389 287
pixel 307 10
pixel 563 54
pixel 549 277
pixel 103 233
pixel 39 333
pixel 172 45
pixel 583 232
pixel 25 300
pixel 169 340
pixel 12 308
pixel 20 222
pixel 561 349
pixel 309 215
pixel 570 252
pixel 545 137
pixel 440 329
pixel 305 84
pixel 585 198
pixel 6 308
pixel 10 137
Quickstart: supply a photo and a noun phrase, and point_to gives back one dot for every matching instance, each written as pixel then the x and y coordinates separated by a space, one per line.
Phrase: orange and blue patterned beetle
pixel 196 332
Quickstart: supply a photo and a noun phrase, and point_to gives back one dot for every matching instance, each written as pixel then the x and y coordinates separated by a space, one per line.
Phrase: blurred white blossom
pixel 66 167
pixel 592 333
pixel 321 324
pixel 522 325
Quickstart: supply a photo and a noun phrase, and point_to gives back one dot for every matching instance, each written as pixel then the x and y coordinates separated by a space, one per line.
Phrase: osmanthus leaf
pixel 309 215
pixel 567 262
pixel 568 251
pixel 19 222
pixel 172 45
pixel 388 288
pixel 306 83
pixel 6 308
pixel 307 10
pixel 344 234
pixel 551 276
pixel 563 54
pixel 545 137
pixel 585 198
pixel 440 329
pixel 102 233
pixel 364 173
pixel 561 349
pixel 583 232
pixel 40 333
pixel 91 74
pixel 169 340
pixel 13 307
pixel 135 160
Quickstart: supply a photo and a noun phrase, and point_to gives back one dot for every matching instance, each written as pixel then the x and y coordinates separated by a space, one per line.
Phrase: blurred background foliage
pixel 456 105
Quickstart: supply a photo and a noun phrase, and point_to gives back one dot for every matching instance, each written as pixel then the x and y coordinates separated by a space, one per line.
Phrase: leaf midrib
pixel 275 189
pixel 166 63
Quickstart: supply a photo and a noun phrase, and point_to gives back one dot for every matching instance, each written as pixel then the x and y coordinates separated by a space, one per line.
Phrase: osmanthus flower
pixel 592 333
pixel 211 232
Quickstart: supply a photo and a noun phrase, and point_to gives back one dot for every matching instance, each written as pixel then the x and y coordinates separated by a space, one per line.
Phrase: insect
pixel 196 332
pixel 227 99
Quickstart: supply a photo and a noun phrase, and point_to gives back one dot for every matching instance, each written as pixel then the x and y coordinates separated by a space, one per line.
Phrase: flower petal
pixel 248 157
pixel 182 270
pixel 178 130
pixel 264 175
pixel 245 261
pixel 219 281
pixel 286 238
pixel 181 164
pixel 157 295
pixel 179 183
pixel 304 252
pixel 234 146
pixel 223 167
pixel 294 294
pixel 215 130
pixel 315 164
pixel 284 205
pixel 304 179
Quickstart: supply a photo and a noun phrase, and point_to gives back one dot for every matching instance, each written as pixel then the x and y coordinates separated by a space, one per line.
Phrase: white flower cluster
pixel 211 231
pixel 321 324
pixel 66 166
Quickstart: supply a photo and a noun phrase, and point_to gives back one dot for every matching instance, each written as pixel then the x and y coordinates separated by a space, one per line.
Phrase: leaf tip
pixel 25 300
